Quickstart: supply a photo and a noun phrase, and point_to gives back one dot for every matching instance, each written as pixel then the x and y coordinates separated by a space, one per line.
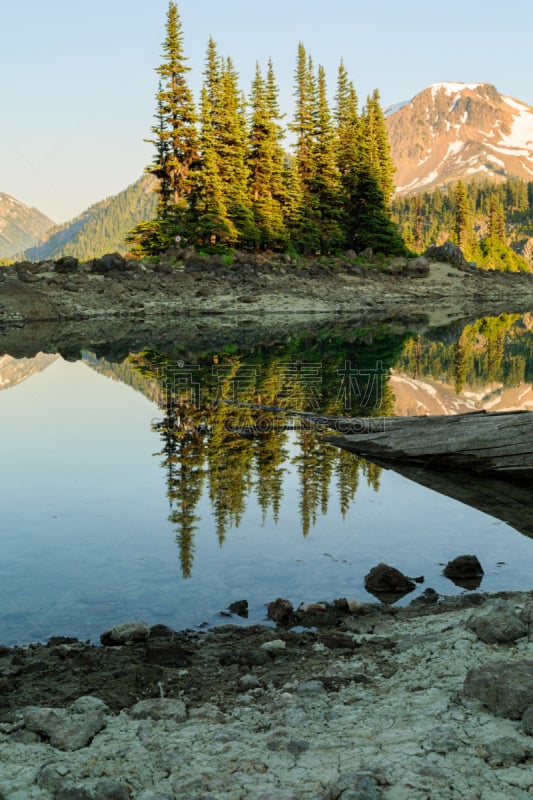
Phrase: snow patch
pixel 451 88
pixel 521 136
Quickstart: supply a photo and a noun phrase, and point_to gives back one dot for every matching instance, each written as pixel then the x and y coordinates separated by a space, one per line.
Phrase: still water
pixel 129 491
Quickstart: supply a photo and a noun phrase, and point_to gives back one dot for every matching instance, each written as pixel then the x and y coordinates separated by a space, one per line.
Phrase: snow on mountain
pixel 453 131
pixel 20 226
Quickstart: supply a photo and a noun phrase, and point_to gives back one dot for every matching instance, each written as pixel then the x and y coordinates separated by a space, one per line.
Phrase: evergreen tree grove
pixel 224 178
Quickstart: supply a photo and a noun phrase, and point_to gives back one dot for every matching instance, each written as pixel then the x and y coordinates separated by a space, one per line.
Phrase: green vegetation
pixel 224 179
pixel 102 228
pixel 491 222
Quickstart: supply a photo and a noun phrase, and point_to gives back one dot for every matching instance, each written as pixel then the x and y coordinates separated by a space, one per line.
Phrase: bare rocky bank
pixel 113 287
pixel 361 702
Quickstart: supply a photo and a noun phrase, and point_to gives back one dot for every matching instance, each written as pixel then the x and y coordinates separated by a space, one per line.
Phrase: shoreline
pixel 392 702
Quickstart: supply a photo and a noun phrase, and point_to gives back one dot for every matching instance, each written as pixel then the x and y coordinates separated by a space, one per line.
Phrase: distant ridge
pixel 21 226
pixel 459 131
pixel 100 229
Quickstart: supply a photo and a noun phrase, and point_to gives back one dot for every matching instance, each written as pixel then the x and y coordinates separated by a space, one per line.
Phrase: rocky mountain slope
pixel 20 226
pixel 459 131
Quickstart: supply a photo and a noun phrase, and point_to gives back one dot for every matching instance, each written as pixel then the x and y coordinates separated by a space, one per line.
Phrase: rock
pixel 417 267
pixel 109 789
pixel 497 622
pixel 280 610
pixel 66 264
pixel 448 252
pixel 354 786
pixel 239 607
pixel 247 682
pixel 310 687
pixel 527 721
pixel 73 792
pixel 505 688
pixel 64 728
pixel 388 583
pixel 465 571
pixel 505 751
pixel 159 708
pixel 126 633
pixel 51 776
pixel 89 703
pixel 274 645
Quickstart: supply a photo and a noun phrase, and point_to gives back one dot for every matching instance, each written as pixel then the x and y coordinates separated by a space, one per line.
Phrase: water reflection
pixel 238 451
pixel 290 512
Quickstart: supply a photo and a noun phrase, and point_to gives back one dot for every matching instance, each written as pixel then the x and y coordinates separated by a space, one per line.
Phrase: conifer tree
pixel 266 187
pixel 175 140
pixel 209 213
pixel 374 132
pixel 325 184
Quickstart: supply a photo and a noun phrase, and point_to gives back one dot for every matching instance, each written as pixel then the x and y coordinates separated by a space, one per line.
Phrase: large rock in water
pixel 465 571
pixel 448 252
pixel 388 583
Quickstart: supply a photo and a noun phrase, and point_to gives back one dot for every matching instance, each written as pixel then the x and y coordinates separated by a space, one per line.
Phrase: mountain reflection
pixel 210 446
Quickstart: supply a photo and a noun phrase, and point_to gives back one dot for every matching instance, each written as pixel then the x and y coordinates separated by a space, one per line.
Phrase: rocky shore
pixel 185 283
pixel 357 702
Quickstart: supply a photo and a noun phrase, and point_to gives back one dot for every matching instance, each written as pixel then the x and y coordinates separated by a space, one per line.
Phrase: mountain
pixel 17 370
pixel 459 131
pixel 20 226
pixel 102 228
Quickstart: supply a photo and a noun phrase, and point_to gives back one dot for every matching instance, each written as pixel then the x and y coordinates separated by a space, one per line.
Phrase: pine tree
pixel 266 187
pixel 462 216
pixel 175 141
pixel 376 139
pixel 325 184
pixel 208 208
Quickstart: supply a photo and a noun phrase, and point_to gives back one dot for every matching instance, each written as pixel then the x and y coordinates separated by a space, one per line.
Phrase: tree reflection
pixel 214 442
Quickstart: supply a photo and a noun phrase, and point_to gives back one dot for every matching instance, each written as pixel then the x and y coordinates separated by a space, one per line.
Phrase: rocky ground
pixel 358 702
pixel 184 283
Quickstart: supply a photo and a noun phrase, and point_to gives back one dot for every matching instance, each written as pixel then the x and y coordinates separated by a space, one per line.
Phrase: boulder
pixel 280 610
pixel 497 622
pixel 448 252
pixel 126 633
pixel 66 264
pixel 505 688
pixel 388 583
pixel 465 571
pixel 62 727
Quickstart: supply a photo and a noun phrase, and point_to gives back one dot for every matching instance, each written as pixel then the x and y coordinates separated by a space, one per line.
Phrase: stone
pixel 505 751
pixel 527 721
pixel 280 610
pixel 465 571
pixel 88 703
pixel 388 583
pixel 66 264
pixel 247 682
pixel 354 786
pixel 73 792
pixel 110 789
pixel 239 607
pixel 310 688
pixel 497 622
pixel 505 688
pixel 64 729
pixel 448 252
pixel 159 708
pixel 274 645
pixel 126 633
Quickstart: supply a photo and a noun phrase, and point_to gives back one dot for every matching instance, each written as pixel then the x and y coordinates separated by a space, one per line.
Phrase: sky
pixel 78 79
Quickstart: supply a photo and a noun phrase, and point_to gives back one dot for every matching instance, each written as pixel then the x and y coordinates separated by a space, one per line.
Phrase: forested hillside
pixel 102 228
pixel 491 222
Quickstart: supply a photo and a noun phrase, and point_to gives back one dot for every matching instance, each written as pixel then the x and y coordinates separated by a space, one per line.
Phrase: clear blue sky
pixel 78 80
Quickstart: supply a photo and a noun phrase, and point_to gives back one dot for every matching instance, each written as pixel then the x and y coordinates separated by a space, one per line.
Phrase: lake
pixel 134 486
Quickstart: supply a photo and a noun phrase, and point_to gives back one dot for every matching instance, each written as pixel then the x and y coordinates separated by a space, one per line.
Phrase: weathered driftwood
pixel 483 442
pixel 498 443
